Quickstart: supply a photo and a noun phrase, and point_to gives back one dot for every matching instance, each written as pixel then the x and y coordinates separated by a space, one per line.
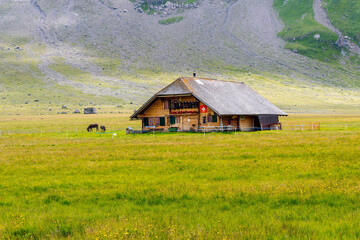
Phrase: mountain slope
pixel 107 53
pixel 345 15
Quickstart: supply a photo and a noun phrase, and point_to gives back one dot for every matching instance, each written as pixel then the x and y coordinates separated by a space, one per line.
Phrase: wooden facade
pixel 178 108
pixel 161 116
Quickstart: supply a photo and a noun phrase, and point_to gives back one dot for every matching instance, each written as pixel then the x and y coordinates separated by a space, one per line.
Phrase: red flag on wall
pixel 203 108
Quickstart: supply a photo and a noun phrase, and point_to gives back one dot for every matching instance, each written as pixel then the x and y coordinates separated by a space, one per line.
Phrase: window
pixel 151 121
pixel 156 121
pixel 180 105
pixel 212 118
pixel 204 120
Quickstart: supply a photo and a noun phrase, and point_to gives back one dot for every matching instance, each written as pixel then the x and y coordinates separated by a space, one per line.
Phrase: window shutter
pixel 209 118
pixel 172 120
pixel 146 121
pixel 214 118
pixel 162 121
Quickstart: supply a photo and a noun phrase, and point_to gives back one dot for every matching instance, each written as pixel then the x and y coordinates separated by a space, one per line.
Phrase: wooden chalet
pixel 193 104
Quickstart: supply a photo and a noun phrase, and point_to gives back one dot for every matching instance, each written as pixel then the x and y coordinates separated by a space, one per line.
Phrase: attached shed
pixel 191 104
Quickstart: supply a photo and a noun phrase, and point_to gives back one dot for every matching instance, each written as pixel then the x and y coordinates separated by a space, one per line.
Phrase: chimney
pixel 194 74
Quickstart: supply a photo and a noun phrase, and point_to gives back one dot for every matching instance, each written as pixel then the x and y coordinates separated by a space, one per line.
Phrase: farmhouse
pixel 193 104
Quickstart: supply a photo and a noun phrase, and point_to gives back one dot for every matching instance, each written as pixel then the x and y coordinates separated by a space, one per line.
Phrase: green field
pixel 58 181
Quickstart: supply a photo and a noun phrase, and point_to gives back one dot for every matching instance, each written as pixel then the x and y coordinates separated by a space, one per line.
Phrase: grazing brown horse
pixel 102 128
pixel 92 126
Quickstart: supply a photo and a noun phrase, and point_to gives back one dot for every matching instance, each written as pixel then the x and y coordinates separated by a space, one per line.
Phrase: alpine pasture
pixel 59 181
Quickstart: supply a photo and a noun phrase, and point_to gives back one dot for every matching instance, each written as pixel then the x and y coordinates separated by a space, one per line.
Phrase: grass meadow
pixel 59 182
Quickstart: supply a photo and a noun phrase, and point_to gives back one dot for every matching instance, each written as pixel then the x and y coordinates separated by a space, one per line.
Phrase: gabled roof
pixel 223 97
pixel 175 88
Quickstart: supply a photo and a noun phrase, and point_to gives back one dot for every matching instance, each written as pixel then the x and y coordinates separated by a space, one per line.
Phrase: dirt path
pixel 322 18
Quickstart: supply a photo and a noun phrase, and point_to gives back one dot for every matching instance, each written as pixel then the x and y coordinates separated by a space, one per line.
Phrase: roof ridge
pixel 182 79
pixel 166 86
pixel 210 79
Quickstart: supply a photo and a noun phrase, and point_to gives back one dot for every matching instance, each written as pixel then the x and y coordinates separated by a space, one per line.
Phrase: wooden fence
pixel 301 126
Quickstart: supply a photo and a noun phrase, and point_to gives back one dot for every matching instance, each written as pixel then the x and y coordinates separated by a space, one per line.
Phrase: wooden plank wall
pixel 246 123
pixel 157 110
pixel 209 112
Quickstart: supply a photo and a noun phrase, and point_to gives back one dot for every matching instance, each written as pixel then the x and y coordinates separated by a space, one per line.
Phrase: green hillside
pixel 345 15
pixel 300 29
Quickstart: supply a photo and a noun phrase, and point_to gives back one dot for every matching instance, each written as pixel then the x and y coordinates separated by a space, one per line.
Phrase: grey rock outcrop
pixel 90 110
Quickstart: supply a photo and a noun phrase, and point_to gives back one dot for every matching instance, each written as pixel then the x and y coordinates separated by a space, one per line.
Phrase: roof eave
pixel 147 103
pixel 252 114
pixel 150 100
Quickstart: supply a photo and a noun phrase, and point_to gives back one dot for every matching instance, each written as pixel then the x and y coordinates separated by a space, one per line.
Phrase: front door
pixel 189 122
pixel 234 121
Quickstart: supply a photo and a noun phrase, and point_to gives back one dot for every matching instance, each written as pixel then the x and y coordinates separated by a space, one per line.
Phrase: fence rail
pixel 301 126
